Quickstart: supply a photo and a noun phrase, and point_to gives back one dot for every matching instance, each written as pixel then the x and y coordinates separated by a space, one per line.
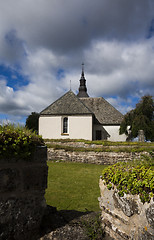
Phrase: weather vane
pixel 82 67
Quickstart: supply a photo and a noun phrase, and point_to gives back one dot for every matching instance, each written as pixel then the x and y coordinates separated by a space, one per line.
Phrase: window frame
pixel 65 126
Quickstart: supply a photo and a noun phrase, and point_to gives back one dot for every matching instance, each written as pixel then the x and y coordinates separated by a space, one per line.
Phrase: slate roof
pixel 104 112
pixel 68 104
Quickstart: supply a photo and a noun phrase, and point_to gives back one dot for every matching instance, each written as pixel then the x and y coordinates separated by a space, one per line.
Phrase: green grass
pixel 103 149
pixel 102 142
pixel 104 146
pixel 73 186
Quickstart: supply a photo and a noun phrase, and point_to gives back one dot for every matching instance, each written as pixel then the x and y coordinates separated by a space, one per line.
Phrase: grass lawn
pixel 73 186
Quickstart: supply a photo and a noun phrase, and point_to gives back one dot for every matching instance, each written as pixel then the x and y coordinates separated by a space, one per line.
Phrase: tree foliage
pixel 140 118
pixel 32 121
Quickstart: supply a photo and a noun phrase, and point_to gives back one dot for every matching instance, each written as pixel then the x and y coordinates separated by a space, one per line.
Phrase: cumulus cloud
pixel 48 41
pixel 120 66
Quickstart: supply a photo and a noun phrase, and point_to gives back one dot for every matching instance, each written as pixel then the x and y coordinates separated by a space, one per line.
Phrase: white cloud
pixel 121 68
pixel 43 37
pixel 112 69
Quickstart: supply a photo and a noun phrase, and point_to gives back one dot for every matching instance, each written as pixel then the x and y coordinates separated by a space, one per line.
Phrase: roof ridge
pixel 55 101
pixel 80 99
pixel 68 97
pixel 104 112
pixel 104 100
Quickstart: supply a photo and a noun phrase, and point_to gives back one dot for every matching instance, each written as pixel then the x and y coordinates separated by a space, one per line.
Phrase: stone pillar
pixel 22 202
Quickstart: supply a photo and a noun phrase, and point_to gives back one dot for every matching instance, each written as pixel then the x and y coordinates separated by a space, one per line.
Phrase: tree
pixel 32 121
pixel 140 118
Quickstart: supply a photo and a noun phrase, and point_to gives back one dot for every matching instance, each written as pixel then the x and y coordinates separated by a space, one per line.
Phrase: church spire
pixel 82 89
pixel 82 74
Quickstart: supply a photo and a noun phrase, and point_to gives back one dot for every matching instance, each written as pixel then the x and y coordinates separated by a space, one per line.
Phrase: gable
pixel 68 104
pixel 104 112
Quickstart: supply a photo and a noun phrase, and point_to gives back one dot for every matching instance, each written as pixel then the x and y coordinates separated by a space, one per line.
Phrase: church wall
pixel 50 127
pixel 114 133
pixel 106 131
pixel 79 127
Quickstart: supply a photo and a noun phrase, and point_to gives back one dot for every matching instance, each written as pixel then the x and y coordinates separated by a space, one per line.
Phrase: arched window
pixel 65 125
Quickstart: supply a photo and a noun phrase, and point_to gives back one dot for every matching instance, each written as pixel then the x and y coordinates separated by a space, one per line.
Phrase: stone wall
pixel 92 157
pixel 22 202
pixel 126 217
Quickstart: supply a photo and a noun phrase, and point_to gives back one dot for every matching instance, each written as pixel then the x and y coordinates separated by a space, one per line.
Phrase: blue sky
pixel 13 77
pixel 43 44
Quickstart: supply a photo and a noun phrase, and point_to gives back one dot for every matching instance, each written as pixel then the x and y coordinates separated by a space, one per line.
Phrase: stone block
pixel 150 215
pixel 9 179
pixel 40 154
pixel 22 202
pixel 20 218
pixel 35 177
pixel 127 205
pixel 126 217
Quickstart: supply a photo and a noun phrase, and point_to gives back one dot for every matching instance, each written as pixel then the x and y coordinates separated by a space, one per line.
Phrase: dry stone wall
pixel 126 217
pixel 92 157
pixel 22 202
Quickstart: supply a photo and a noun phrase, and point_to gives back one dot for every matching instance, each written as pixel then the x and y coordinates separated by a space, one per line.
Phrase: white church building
pixel 81 117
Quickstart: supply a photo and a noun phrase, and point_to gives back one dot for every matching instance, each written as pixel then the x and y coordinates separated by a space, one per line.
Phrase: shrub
pixel 131 178
pixel 18 142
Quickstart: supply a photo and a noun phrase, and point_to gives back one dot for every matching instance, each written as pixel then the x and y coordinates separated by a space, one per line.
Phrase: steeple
pixel 82 89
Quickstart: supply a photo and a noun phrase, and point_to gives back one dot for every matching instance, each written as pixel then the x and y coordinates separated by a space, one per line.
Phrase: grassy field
pixel 73 186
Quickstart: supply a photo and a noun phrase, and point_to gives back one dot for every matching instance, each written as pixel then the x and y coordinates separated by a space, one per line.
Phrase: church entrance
pixel 98 134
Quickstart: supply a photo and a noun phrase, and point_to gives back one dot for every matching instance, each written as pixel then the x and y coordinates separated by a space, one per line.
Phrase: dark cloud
pixel 71 25
pixel 12 49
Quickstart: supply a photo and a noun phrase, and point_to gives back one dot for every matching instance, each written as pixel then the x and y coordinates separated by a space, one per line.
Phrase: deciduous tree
pixel 140 118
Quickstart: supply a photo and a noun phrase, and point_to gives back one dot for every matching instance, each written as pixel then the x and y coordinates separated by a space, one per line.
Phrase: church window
pixel 65 125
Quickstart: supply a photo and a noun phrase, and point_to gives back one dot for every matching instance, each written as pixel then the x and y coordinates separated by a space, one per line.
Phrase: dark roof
pixel 104 112
pixel 68 104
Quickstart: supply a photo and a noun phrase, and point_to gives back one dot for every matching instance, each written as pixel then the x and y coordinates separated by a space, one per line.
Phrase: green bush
pixel 131 178
pixel 18 142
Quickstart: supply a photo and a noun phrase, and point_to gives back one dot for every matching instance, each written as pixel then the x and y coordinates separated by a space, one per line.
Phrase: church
pixel 81 117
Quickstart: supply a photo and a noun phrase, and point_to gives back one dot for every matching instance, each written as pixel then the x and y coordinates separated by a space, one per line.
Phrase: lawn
pixel 73 186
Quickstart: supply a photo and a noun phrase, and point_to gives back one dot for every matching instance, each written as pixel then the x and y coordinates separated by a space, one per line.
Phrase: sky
pixel 43 44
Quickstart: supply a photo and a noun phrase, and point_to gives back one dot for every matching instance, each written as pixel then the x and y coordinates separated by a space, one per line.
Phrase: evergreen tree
pixel 140 118
pixel 32 121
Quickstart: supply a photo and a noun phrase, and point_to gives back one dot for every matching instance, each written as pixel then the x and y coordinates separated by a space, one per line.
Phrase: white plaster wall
pixel 114 133
pixel 79 127
pixel 50 127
